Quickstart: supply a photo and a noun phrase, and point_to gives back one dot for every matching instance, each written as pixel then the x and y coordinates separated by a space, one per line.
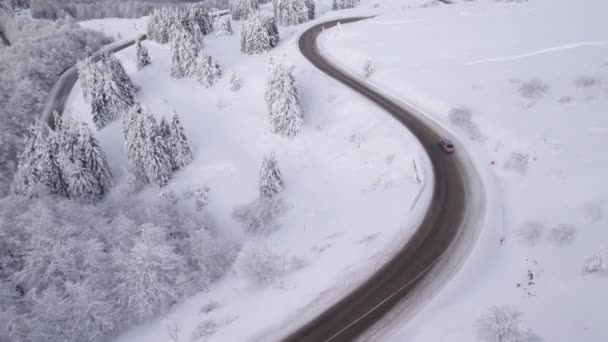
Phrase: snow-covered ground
pixel 534 77
pixel 350 182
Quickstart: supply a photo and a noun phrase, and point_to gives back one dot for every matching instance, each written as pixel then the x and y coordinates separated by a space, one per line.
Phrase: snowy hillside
pixel 351 185
pixel 524 87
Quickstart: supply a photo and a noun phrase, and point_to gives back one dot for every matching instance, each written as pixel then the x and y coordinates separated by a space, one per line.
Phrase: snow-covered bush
pixel 563 234
pixel 587 81
pixel 257 263
pixel 518 161
pixel 205 328
pixel 235 82
pixel 461 117
pixel 242 9
pixel 283 100
pixel 368 68
pixel 259 216
pixel 533 89
pixel 530 232
pixel 502 324
pixel 597 263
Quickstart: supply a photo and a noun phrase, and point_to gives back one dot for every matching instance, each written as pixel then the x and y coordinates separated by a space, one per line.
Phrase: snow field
pixel 535 86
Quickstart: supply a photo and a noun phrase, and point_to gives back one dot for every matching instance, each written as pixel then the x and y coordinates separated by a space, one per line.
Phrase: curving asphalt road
pixel 402 276
pixel 4 40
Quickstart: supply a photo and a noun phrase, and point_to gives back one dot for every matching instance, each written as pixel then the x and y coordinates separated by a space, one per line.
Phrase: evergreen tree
pixel 283 101
pixel 208 71
pixel 293 12
pixel 185 50
pixel 271 179
pixel 134 138
pixel 143 57
pixel 113 95
pixel 156 153
pixel 198 15
pixel 147 149
pixel 344 4
pixel 89 74
pixel 160 24
pixel 28 175
pixel 181 152
pixel 223 27
pixel 235 82
pixel 258 34
pixel 242 9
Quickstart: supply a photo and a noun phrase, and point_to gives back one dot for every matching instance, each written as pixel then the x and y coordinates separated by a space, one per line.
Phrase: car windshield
pixel 449 145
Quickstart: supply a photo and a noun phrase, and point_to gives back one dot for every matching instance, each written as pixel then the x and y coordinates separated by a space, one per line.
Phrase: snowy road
pixel 440 240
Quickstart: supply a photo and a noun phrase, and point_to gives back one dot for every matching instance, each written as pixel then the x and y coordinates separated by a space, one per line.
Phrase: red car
pixel 446 146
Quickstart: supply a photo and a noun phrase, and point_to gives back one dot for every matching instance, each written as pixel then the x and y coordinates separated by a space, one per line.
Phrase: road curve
pixel 4 40
pixel 399 279
pixel 63 87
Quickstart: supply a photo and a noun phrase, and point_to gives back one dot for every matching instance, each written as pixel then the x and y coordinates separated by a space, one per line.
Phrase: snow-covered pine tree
pixel 53 177
pixel 270 24
pixel 185 50
pixel 143 57
pixel 159 25
pixel 235 82
pixel 344 4
pixel 181 152
pixel 242 9
pixel 28 174
pixel 223 27
pixel 89 74
pixel 208 71
pixel 258 34
pixel 114 94
pixel 271 179
pixel 293 12
pixel 198 15
pixel 94 160
pixel 283 101
pixel 156 152
pixel 134 140
pixel 271 82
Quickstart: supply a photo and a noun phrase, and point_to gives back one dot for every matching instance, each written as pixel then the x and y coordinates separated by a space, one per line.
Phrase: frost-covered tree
pixel 208 71
pixel 502 324
pixel 143 57
pixel 283 101
pixel 89 74
pixel 83 162
pixel 597 263
pixel 113 94
pixel 149 277
pixel 223 27
pixel 185 50
pixel 242 9
pixel 29 174
pixel 180 150
pixel 235 82
pixel 271 180
pixel 293 12
pixel 344 4
pixel 147 150
pixel 257 263
pixel 160 25
pixel 198 15
pixel 258 34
